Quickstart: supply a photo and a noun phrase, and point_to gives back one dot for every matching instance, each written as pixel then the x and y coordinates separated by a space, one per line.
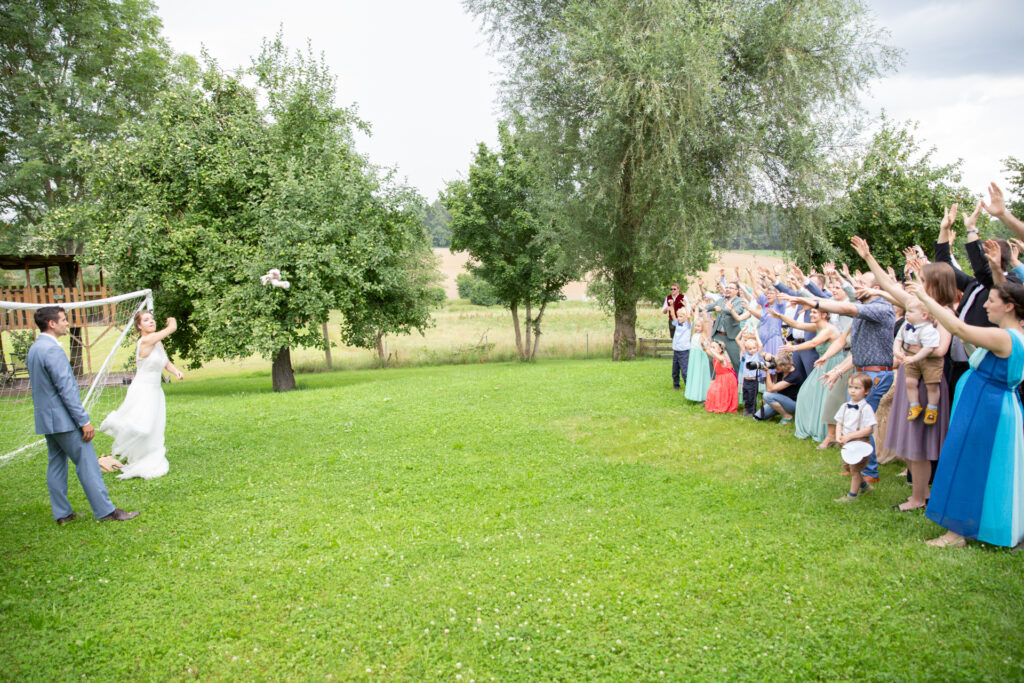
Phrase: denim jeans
pixel 788 404
pixel 680 359
pixel 880 382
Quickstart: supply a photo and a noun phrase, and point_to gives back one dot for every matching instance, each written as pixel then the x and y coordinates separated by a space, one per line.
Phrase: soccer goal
pixel 99 346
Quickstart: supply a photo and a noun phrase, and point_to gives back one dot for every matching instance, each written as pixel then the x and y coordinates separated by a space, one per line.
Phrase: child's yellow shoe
pixel 914 413
pixel 931 416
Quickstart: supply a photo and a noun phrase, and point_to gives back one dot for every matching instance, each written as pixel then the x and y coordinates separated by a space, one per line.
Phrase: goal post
pixel 106 352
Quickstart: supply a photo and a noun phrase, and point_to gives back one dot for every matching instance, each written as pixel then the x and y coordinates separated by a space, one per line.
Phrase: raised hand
pixel 994 254
pixel 172 324
pixel 1016 247
pixel 860 245
pixel 971 222
pixel 948 217
pixel 909 253
pixel 916 289
pixel 996 205
pixel 915 265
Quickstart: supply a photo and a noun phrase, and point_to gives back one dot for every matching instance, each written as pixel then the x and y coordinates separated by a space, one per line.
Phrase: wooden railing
pixel 661 348
pixel 78 317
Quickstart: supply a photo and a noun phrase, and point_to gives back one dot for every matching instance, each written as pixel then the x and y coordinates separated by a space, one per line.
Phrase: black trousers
pixel 750 385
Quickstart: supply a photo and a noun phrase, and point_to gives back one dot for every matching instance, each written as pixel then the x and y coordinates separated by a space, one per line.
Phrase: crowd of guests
pixel 923 366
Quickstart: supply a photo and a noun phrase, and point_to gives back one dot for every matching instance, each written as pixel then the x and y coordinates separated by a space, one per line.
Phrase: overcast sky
pixel 420 73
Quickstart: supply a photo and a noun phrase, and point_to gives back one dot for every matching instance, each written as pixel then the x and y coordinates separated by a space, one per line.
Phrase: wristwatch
pixel 817 304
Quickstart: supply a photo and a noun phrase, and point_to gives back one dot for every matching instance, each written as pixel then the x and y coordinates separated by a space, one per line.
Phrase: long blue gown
pixel 698 372
pixel 979 484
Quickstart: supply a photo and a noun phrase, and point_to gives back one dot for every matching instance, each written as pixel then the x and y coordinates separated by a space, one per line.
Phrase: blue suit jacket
pixel 55 396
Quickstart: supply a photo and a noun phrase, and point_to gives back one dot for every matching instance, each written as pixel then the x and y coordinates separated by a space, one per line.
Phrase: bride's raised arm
pixel 148 341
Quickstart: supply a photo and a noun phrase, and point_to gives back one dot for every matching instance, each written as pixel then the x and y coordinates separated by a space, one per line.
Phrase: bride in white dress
pixel 138 424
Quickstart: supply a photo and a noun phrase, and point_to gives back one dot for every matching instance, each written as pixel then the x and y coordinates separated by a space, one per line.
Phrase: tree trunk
pixel 284 377
pixel 68 275
pixel 515 321
pixel 624 339
pixel 327 348
pixel 380 349
pixel 536 331
pixel 526 356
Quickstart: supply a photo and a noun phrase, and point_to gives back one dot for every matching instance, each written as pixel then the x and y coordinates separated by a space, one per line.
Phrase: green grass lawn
pixel 566 520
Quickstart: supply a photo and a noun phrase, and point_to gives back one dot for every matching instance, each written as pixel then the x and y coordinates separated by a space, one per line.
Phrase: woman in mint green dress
pixel 698 372
pixel 807 419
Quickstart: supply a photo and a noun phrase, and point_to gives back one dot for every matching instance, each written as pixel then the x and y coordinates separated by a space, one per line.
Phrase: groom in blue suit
pixel 62 419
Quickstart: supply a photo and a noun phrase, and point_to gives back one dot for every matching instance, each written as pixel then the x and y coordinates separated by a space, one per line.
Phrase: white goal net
pixel 100 345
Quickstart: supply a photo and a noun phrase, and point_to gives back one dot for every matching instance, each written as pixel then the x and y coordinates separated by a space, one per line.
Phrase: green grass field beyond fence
pixel 564 520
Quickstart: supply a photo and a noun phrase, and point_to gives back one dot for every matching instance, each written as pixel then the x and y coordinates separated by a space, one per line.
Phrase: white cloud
pixel 974 118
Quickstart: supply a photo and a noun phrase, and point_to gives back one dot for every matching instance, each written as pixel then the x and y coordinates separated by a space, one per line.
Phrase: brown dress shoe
pixel 119 515
pixel 70 518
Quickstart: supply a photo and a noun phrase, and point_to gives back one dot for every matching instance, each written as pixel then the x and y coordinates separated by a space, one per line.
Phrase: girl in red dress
pixel 723 395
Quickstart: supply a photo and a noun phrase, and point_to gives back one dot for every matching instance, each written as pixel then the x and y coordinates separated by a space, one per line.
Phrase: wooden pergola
pixel 69 287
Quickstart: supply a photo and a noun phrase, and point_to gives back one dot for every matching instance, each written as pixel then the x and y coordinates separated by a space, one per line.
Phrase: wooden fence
pixel 78 317
pixel 661 348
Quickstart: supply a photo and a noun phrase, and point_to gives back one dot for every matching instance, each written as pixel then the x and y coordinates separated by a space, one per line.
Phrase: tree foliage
pixel 436 219
pixel 1015 168
pixel 896 198
pixel 658 116
pixel 477 291
pixel 500 218
pixel 70 72
pixel 209 191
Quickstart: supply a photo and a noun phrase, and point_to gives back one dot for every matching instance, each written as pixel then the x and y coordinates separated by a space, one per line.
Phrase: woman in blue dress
pixel 978 490
pixel 769 328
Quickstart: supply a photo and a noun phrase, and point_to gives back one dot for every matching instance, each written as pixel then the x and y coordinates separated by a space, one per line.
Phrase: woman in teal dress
pixel 698 372
pixel 807 419
pixel 978 490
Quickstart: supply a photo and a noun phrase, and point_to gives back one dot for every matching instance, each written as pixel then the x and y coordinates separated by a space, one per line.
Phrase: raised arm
pixel 837 345
pixel 790 322
pixel 150 340
pixel 823 336
pixel 996 207
pixel 994 257
pixel 979 264
pixel 882 278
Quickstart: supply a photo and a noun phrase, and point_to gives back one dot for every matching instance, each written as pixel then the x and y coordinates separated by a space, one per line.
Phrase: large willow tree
pixel 659 116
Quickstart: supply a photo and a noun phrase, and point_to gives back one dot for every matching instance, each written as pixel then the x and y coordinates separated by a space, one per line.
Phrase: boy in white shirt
pixel 916 341
pixel 680 346
pixel 856 421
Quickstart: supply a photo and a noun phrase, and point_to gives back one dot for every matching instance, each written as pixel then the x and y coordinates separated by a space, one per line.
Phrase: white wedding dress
pixel 138 424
